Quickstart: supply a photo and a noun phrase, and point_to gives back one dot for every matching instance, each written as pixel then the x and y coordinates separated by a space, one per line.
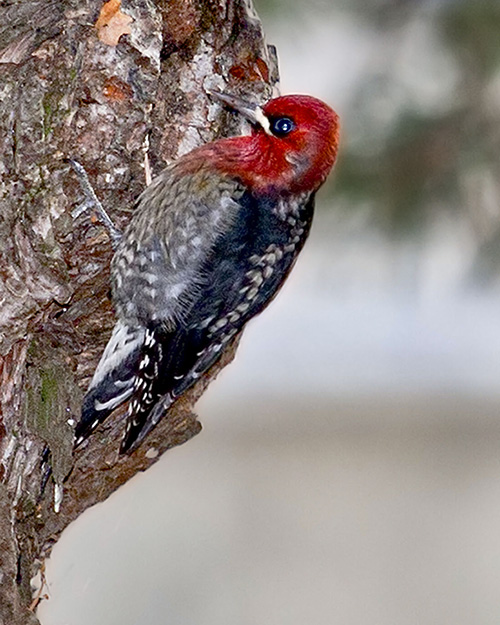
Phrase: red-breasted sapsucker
pixel 210 243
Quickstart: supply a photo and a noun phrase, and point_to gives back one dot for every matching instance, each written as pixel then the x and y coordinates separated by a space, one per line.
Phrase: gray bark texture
pixel 67 90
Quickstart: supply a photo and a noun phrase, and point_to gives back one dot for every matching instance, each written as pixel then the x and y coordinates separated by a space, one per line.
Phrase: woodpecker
pixel 210 243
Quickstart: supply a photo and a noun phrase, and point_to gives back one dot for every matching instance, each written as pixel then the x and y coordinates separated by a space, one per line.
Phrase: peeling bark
pixel 118 110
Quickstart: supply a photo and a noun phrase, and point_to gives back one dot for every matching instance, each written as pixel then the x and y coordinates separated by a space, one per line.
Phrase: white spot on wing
pixel 113 402
pixel 122 343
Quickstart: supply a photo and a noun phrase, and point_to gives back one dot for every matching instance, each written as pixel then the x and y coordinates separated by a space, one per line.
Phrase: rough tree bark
pixel 64 92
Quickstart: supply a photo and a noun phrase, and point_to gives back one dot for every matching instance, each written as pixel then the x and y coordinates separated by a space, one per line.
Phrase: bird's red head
pixel 292 147
pixel 303 137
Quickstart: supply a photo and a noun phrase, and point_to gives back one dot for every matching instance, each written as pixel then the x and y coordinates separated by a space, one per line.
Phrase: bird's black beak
pixel 251 112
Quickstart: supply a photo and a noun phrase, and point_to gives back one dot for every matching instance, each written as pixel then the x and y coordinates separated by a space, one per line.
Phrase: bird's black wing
pixel 113 380
pixel 156 276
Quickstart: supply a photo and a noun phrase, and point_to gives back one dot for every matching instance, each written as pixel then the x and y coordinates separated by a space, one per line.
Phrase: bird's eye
pixel 282 126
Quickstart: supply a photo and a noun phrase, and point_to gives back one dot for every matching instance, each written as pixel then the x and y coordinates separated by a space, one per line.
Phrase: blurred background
pixel 349 467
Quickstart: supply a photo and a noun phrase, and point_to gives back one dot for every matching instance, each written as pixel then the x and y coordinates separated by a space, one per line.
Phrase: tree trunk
pixel 122 90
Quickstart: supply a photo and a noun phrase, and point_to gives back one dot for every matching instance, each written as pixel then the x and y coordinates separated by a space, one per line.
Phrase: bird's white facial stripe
pixel 263 120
